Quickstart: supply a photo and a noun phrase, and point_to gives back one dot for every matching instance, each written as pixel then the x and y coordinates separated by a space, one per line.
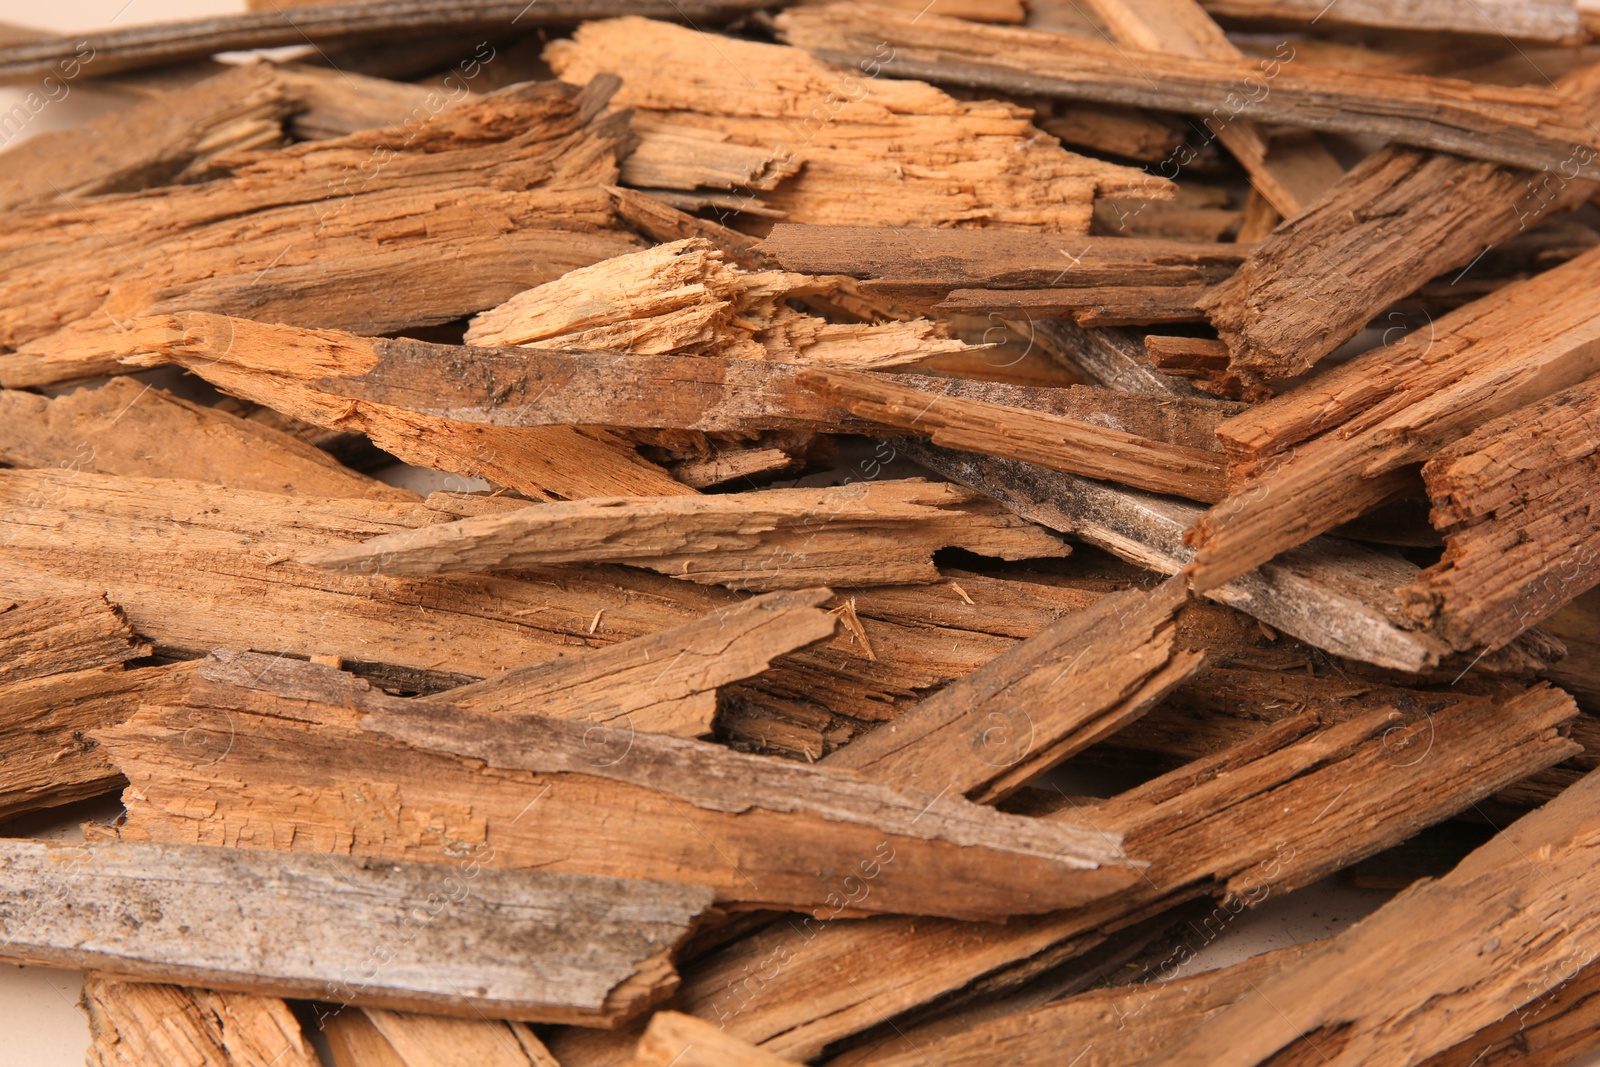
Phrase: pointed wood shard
pixel 1048 440
pixel 682 299
pixel 666 682
pixel 1046 698
pixel 544 946
pixel 1533 128
pixel 522 791
pixel 126 428
pixel 1400 217
pixel 882 533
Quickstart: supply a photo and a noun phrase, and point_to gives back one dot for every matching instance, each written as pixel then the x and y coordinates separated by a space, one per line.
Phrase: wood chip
pixel 550 947
pixel 875 152
pixel 760 832
pixel 863 534
pixel 136 1023
pixel 1525 127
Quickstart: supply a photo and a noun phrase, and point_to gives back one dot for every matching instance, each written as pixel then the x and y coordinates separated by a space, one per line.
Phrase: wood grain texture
pixel 1516 498
pixel 1332 451
pixel 406 394
pixel 1278 811
pixel 1015 433
pixel 875 152
pixel 675 1038
pixel 1337 595
pixel 1524 127
pixel 521 791
pixel 902 263
pixel 1486 927
pixel 125 428
pixel 665 682
pixel 682 298
pixel 1550 21
pixel 53 634
pixel 530 945
pixel 1050 696
pixel 1107 1027
pixel 48 755
pixel 133 1024
pixel 1400 217
pixel 1110 306
pixel 350 232
pixel 225 575
pixel 1298 170
pixel 437 1041
pixel 1552 1030
pixel 184 135
pixel 868 533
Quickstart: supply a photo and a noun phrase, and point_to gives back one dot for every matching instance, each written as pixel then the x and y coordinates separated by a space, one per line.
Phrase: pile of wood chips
pixel 710 533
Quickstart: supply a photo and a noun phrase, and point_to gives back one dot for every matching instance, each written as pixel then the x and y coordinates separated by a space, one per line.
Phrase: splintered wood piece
pixel 1547 21
pixel 1048 440
pixel 1553 1030
pixel 532 945
pixel 126 428
pixel 306 235
pixel 664 223
pixel 1336 448
pixel 225 576
pixel 928 263
pixel 664 683
pixel 1278 811
pixel 1526 127
pixel 1111 306
pixel 48 756
pixel 543 461
pixel 1109 1027
pixel 374 1037
pixel 682 298
pixel 522 791
pixel 675 1038
pixel 354 1042
pixel 176 137
pixel 875 152
pixel 61 676
pixel 731 464
pixel 57 634
pixel 407 394
pixel 133 1024
pixel 107 52
pixel 686 158
pixel 1399 218
pixel 1517 499
pixel 1110 357
pixel 1298 171
pixel 1028 709
pixel 1430 967
pixel 868 533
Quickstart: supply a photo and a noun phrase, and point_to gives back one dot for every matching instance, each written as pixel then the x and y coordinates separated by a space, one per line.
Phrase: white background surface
pixel 40 1023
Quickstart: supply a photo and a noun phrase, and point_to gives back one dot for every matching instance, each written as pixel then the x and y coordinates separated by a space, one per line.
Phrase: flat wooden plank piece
pixel 530 945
